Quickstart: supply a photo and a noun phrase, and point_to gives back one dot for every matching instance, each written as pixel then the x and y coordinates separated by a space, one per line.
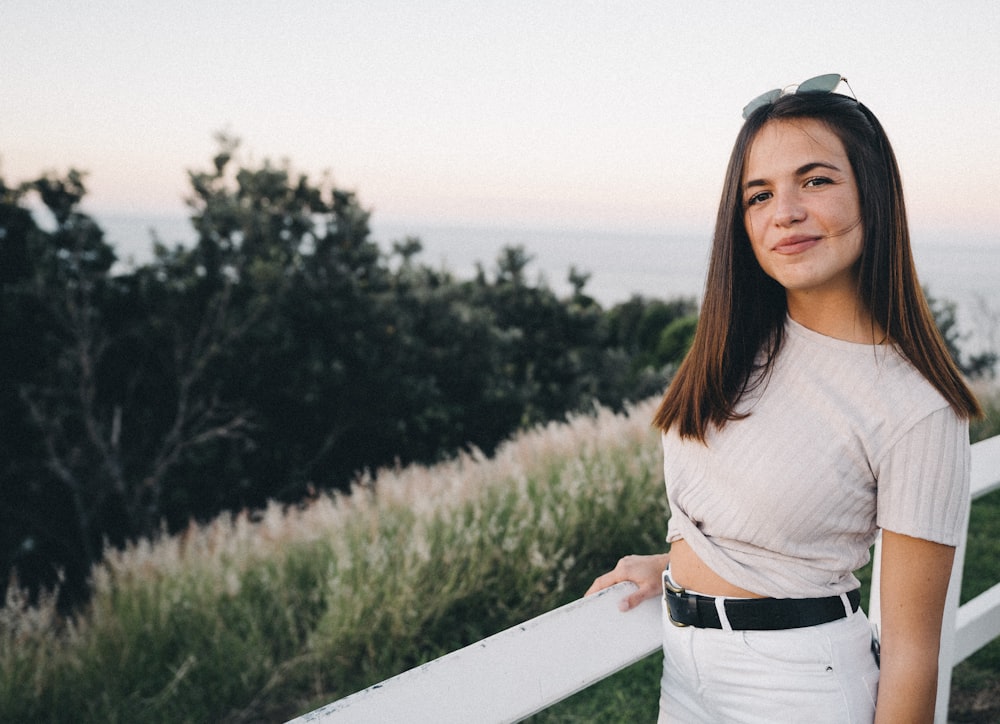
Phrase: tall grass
pixel 261 617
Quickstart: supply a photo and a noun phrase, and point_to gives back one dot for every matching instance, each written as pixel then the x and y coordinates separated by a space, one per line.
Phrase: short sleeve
pixel 923 480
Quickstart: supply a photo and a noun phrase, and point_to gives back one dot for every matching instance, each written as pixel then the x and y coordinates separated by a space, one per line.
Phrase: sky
pixel 519 113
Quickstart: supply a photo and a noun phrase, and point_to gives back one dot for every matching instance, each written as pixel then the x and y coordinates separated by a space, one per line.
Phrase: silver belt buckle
pixel 669 586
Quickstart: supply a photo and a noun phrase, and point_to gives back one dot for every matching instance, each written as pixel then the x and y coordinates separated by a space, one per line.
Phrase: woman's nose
pixel 788 209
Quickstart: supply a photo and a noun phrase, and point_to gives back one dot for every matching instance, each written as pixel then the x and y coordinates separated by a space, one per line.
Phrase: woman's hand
pixel 645 571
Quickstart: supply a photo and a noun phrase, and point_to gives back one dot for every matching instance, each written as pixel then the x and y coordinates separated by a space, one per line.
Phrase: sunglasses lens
pixel 764 99
pixel 820 84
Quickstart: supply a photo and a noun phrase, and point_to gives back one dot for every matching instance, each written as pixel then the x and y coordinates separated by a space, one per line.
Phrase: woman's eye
pixel 818 181
pixel 758 198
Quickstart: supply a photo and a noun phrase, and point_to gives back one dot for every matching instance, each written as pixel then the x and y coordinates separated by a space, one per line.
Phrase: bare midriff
pixel 691 573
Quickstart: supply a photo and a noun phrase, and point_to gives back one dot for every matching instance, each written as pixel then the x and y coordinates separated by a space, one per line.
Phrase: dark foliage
pixel 285 352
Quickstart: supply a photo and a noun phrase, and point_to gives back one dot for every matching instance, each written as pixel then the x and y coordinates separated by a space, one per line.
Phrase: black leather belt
pixel 754 614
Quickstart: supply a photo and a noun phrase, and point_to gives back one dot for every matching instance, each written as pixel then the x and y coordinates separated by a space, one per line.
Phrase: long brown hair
pixel 743 310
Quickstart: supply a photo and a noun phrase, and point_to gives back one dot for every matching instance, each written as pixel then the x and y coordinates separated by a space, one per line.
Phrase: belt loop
pixel 848 612
pixel 720 607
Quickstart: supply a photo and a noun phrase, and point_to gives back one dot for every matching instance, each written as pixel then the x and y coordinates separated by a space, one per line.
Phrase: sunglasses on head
pixel 820 84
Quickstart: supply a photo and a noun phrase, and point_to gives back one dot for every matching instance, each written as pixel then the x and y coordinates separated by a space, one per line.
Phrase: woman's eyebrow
pixel 803 170
pixel 800 171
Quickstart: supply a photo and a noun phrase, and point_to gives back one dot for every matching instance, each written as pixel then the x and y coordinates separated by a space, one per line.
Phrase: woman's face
pixel 801 209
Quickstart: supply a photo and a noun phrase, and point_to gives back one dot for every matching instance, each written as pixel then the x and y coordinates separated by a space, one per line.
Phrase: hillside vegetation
pixel 279 355
pixel 258 618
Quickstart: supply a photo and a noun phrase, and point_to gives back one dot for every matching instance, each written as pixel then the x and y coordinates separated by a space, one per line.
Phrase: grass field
pixel 257 618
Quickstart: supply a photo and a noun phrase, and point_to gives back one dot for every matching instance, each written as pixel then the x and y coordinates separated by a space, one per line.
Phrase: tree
pixel 103 453
pixel 978 365
pixel 675 340
pixel 54 304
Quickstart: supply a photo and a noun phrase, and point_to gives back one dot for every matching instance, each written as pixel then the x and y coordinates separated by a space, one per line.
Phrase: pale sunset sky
pixel 562 114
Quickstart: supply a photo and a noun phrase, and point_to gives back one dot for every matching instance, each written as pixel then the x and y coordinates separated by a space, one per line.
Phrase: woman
pixel 817 405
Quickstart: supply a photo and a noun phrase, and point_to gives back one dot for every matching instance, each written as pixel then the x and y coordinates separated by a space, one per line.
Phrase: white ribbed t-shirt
pixel 842 439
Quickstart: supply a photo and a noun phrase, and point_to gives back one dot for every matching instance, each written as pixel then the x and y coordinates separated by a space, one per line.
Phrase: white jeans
pixel 824 673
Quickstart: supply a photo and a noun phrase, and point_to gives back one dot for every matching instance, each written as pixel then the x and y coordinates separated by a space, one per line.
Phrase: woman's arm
pixel 644 571
pixel 913 587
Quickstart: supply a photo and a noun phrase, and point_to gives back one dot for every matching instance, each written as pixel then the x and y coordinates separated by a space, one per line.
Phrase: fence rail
pixel 533 665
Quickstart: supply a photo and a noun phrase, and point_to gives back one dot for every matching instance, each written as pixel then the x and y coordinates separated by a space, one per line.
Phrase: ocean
pixel 965 270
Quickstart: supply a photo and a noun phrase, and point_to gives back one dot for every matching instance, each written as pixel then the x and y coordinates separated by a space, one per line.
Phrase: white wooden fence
pixel 527 668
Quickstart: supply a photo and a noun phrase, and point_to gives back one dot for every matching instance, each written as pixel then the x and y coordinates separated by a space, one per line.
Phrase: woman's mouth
pixel 796 244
